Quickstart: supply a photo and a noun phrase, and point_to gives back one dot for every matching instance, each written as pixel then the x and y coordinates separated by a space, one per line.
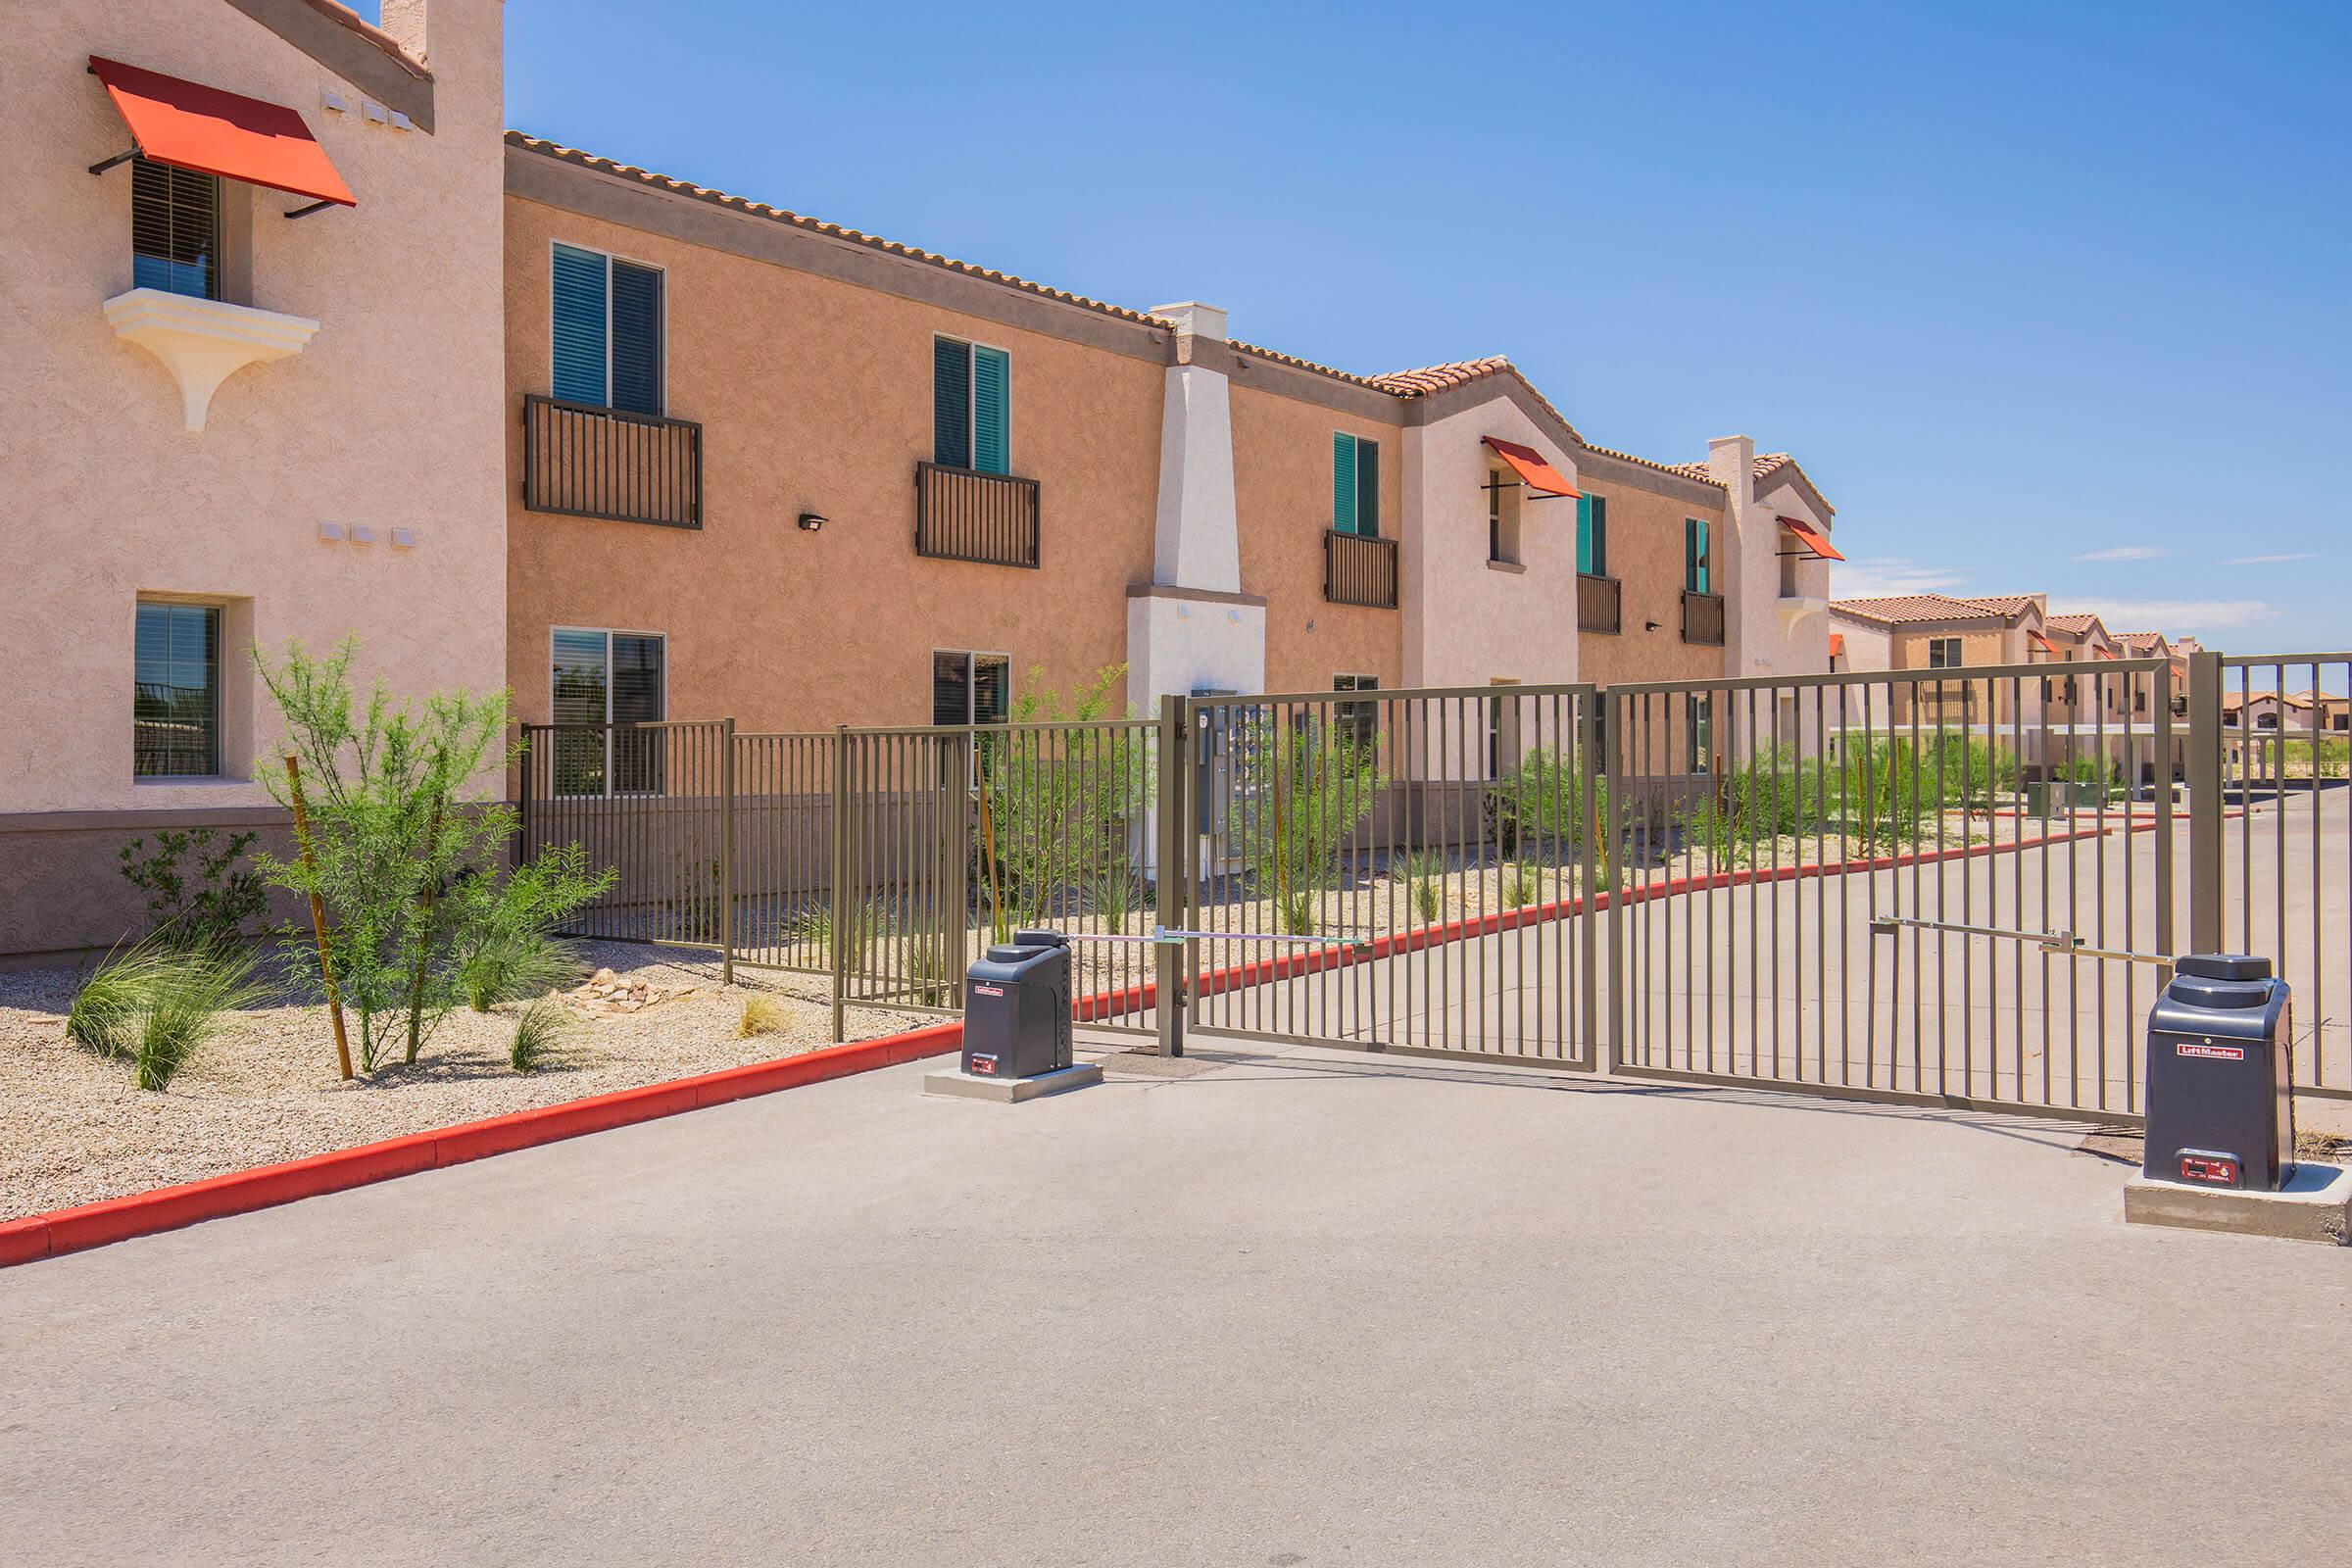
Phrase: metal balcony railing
pixel 1599 603
pixel 965 515
pixel 582 461
pixel 1359 569
pixel 1702 618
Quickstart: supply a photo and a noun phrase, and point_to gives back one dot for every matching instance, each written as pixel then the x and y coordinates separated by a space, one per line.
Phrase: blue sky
pixel 2022 285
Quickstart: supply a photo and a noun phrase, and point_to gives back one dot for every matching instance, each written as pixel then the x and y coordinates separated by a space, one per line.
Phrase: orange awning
pixel 1528 464
pixel 215 132
pixel 1812 539
pixel 1837 644
pixel 2104 653
pixel 2042 643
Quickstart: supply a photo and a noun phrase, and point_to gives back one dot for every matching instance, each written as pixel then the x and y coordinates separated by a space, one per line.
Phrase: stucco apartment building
pixel 252 392
pixel 2076 710
pixel 306 345
pixel 774 469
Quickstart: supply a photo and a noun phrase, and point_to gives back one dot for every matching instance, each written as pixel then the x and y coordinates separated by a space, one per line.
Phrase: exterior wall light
pixel 810 522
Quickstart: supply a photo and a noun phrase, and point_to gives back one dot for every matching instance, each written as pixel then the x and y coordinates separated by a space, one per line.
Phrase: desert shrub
pixel 185 1008
pixel 1303 792
pixel 1059 805
pixel 759 1017
pixel 1884 793
pixel 197 894
pixel 1521 886
pixel 1537 809
pixel 1424 877
pixel 406 853
pixel 539 1032
pixel 158 1004
pixel 1751 807
pixel 513 966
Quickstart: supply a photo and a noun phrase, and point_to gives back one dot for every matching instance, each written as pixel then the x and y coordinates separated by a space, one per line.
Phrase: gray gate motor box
pixel 1016 1007
pixel 2220 1109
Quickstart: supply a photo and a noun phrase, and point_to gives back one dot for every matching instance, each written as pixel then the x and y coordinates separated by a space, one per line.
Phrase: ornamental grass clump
pixel 157 1004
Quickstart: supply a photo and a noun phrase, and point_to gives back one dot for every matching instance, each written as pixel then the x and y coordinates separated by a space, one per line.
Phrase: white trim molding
pixel 204 342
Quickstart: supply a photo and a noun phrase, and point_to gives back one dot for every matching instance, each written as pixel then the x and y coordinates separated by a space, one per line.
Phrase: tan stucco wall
pixel 814 395
pixel 1645 556
pixel 1282 504
pixel 389 416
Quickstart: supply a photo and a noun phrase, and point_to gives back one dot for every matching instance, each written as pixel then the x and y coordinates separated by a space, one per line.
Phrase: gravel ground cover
pixel 74 1130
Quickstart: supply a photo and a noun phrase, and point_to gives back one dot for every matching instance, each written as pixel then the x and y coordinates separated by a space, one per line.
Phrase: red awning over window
pixel 1812 539
pixel 2104 653
pixel 1528 464
pixel 1837 644
pixel 2042 643
pixel 215 132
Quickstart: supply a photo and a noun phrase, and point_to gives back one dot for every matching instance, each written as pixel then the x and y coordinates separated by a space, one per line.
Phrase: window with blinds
pixel 1354 485
pixel 174 229
pixel 970 688
pixel 175 692
pixel 607 330
pixel 602 683
pixel 971 413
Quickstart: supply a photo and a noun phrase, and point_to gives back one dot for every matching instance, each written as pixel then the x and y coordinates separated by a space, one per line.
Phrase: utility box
pixel 2221 1111
pixel 1016 1007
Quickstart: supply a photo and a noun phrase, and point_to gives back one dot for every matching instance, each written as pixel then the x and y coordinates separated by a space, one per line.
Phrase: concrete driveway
pixel 1299 1309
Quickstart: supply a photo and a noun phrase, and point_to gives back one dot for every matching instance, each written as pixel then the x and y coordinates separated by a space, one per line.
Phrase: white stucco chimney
pixel 1191 627
pixel 1732 460
pixel 1193 318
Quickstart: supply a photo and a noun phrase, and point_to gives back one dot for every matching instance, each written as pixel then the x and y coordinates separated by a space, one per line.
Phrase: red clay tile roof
pixel 2078 624
pixel 1684 471
pixel 1438 378
pixel 1896 607
pixel 375 36
pixel 2006 604
pixel 645 176
pixel 1763 463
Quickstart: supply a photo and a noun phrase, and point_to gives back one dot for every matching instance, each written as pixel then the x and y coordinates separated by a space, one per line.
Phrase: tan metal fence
pixel 1957 886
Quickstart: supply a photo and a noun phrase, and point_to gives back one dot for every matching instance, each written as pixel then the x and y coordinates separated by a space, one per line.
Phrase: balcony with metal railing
pixel 1702 618
pixel 965 515
pixel 1599 603
pixel 580 460
pixel 1359 569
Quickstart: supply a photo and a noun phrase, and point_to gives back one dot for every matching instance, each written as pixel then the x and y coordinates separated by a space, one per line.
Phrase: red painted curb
pixel 114 1219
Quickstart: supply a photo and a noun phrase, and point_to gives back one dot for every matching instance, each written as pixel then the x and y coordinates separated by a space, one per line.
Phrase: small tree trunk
pixel 309 866
pixel 422 959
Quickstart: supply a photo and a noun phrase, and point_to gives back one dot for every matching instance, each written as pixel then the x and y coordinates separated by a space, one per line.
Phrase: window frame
pixel 971 409
pixel 1359 720
pixel 1593 535
pixel 971 685
pixel 1698 732
pixel 660 330
pixel 1935 652
pixel 608 793
pixel 216 631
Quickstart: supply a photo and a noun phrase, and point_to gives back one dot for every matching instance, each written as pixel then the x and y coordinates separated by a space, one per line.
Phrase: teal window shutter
pixel 992 375
pixel 636 338
pixel 1343 482
pixel 1584 535
pixel 1599 535
pixel 579 323
pixel 950 403
pixel 1694 555
pixel 1367 488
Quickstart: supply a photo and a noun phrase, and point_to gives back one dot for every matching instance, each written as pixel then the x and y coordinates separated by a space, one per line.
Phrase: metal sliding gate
pixel 1955 886
pixel 1409 872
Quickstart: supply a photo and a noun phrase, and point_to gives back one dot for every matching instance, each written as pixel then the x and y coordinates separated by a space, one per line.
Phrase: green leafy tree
pixel 1060 805
pixel 406 847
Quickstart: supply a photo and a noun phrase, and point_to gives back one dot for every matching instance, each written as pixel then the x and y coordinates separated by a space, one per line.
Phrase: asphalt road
pixel 1312 1308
